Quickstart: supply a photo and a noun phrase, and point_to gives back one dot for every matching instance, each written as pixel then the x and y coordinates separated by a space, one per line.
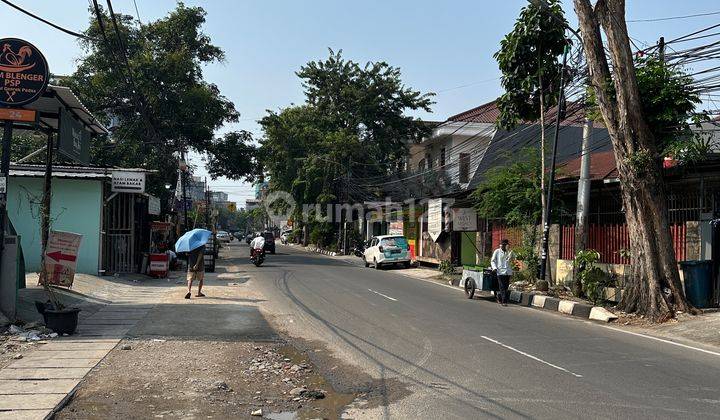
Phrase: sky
pixel 444 47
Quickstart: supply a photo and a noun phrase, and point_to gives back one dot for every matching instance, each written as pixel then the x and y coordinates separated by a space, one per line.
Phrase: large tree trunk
pixel 653 288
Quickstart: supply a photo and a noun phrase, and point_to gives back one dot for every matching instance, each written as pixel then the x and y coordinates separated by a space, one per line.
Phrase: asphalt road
pixel 460 358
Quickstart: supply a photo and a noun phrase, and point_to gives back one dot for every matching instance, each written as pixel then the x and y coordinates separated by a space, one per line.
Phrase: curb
pixel 566 307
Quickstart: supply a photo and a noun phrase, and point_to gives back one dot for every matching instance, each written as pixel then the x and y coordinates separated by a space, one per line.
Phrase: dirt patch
pixel 208 379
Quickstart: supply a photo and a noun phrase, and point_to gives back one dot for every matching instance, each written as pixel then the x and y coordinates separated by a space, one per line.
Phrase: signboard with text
pixel 61 257
pixel 464 220
pixel 435 218
pixel 23 72
pixel 128 182
pixel 395 228
pixel 73 139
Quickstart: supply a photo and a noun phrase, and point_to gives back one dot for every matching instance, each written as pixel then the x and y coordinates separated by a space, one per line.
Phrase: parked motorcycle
pixel 359 250
pixel 257 256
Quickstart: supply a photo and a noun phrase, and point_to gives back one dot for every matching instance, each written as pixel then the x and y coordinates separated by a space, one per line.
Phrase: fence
pixel 512 234
pixel 611 240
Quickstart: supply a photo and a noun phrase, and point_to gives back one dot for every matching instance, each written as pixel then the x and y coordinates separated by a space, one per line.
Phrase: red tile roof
pixel 489 113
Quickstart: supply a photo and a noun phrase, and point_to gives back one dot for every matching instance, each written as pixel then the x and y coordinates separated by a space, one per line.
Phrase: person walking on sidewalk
pixel 196 270
pixel 501 263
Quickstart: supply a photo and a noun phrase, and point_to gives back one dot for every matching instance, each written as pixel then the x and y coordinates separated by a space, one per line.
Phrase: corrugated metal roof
pixel 60 171
pixel 61 96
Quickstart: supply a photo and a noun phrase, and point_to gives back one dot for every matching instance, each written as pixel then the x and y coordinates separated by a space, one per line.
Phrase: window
pixel 464 168
pixel 442 157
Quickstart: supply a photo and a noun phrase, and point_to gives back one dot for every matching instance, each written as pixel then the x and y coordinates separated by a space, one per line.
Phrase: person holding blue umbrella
pixel 193 242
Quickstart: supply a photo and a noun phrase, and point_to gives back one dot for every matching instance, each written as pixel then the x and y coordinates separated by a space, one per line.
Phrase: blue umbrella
pixel 192 239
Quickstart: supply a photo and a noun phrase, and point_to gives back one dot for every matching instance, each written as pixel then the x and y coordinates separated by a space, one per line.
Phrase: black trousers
pixel 503 283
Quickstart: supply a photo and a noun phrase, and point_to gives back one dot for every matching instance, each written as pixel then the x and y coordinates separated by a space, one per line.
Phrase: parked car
pixel 269 241
pixel 387 250
pixel 223 237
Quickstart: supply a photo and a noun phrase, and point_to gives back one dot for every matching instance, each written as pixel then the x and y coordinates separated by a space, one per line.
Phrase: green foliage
pixel 512 192
pixel 528 60
pixel 322 234
pixel 174 106
pixel 446 267
pixel 593 279
pixel 668 102
pixel 353 120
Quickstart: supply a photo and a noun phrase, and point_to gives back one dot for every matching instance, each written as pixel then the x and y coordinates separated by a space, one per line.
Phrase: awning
pixel 56 97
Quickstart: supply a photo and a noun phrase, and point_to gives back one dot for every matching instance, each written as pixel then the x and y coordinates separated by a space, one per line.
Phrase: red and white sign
pixel 61 257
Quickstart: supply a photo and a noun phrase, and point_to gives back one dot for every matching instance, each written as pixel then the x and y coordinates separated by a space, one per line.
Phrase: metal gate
pixel 119 244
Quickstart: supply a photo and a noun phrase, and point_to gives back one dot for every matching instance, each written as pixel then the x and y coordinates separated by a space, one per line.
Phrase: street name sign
pixel 128 182
pixel 61 257
pixel 23 72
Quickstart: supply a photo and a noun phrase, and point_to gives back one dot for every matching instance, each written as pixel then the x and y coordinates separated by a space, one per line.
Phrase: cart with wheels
pixel 476 278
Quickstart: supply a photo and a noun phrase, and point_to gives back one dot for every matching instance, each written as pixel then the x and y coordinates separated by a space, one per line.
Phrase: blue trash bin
pixel 698 282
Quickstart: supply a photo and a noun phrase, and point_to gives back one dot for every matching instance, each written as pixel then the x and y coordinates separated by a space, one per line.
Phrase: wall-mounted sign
pixel 18 114
pixel 395 228
pixel 61 257
pixel 464 220
pixel 73 140
pixel 153 205
pixel 23 72
pixel 128 182
pixel 435 218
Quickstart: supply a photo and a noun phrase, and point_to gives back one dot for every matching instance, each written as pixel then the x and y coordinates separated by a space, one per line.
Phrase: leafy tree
pixel 353 122
pixel 528 61
pixel 653 288
pixel 161 103
pixel 511 192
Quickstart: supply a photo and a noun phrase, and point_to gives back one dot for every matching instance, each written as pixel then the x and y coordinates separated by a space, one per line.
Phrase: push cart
pixel 478 278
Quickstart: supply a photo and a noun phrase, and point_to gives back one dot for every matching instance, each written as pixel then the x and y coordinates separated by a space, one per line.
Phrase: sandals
pixel 200 295
pixel 187 296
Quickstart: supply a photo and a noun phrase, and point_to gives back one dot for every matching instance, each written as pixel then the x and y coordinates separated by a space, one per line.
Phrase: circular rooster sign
pixel 23 72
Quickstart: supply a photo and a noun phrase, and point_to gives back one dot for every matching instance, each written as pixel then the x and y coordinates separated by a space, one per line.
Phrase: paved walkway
pixel 32 387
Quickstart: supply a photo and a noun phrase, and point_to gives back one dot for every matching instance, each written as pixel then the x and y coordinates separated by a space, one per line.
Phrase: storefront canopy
pixel 57 97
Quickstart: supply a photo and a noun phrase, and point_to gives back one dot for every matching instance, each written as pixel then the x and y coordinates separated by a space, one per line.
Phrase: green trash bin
pixel 698 282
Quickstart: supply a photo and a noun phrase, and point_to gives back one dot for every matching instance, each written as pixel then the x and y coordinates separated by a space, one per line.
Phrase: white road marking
pixel 385 296
pixel 537 359
pixel 685 346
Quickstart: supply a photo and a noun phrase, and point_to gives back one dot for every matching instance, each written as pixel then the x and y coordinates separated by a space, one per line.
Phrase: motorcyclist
pixel 257 243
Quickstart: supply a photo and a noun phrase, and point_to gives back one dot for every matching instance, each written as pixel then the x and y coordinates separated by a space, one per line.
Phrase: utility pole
pixel 551 181
pixel 583 197
pixel 183 181
pixel 661 48
pixel 207 205
pixel 5 176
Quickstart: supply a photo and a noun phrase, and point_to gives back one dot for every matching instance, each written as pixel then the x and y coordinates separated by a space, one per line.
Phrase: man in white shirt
pixel 501 263
pixel 257 243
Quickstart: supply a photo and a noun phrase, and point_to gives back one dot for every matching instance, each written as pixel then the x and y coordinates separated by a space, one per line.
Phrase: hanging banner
pixel 435 218
pixel 73 139
pixel 464 220
pixel 128 182
pixel 61 257
pixel 23 72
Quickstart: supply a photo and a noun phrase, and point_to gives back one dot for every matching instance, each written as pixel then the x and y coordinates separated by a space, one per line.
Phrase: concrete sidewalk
pixel 33 386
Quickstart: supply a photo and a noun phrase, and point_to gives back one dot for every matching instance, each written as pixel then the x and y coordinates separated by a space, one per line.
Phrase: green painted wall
pixel 467 248
pixel 76 207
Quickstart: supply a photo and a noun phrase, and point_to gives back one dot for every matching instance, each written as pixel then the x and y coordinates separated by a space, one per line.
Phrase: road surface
pixel 459 358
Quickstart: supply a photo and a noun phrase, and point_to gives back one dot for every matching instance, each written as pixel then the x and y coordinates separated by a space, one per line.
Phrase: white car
pixel 387 250
pixel 223 236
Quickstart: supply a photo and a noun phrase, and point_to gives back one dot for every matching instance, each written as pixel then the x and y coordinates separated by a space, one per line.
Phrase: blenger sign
pixel 23 72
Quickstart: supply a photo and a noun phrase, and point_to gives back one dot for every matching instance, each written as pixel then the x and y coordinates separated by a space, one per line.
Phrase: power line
pixel 47 22
pixel 673 17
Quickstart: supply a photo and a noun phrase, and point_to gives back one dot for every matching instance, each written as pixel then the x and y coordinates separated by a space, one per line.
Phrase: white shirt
pixel 258 242
pixel 500 261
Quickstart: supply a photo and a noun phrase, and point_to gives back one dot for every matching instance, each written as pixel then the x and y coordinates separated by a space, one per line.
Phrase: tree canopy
pixel 159 103
pixel 528 61
pixel 353 121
